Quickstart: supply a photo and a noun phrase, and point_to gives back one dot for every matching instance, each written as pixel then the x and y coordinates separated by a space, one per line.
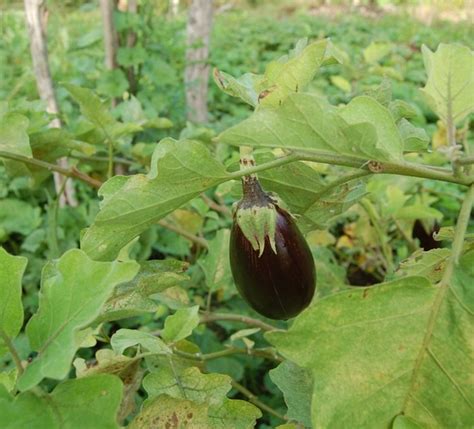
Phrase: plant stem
pixel 214 206
pixel 266 354
pixel 214 317
pixel 68 172
pixel 110 167
pixel 117 160
pixel 443 285
pixel 254 400
pixel 11 348
pixel 191 237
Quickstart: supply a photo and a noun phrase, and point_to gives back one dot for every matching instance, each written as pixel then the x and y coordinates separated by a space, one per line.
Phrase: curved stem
pixel 68 172
pixel 11 348
pixel 215 317
pixel 254 400
pixel 191 237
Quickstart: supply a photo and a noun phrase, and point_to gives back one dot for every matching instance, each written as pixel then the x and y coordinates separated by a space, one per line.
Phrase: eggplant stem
pixel 215 317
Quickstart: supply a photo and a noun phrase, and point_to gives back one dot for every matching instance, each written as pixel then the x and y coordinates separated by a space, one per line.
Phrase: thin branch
pixel 11 348
pixel 263 353
pixel 117 160
pixel 254 400
pixel 466 160
pixel 191 237
pixel 215 317
pixel 68 172
pixel 215 206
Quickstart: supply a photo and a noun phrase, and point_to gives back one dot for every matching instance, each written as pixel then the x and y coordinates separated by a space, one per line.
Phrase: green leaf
pixel 133 298
pixel 166 411
pixel 190 384
pixel 449 89
pixel 181 324
pixel 216 263
pixel 342 339
pixel 429 264
pixel 297 386
pixel 180 171
pixel 418 370
pixel 376 51
pixel 73 290
pixel 125 338
pixel 389 143
pixel 11 308
pixel 97 113
pixel 90 402
pixel 19 216
pixel 290 73
pixel 414 138
pixel 304 122
pixel 14 139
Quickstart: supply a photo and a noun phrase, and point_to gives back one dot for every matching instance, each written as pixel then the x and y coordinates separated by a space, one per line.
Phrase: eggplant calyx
pixel 256 215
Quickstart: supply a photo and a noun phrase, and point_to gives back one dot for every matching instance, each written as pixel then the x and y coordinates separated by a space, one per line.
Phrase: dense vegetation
pixel 161 304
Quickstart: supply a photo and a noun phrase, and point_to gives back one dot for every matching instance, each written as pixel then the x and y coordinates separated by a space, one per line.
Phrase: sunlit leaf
pixel 181 324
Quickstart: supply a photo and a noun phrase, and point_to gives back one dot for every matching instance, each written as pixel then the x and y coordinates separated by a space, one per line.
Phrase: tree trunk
pixel 197 68
pixel 36 16
pixel 110 37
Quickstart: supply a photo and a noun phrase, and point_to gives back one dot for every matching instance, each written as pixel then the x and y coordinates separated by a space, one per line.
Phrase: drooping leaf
pixel 189 384
pixel 133 298
pixel 430 264
pixel 11 308
pixel 449 89
pixel 180 171
pixel 216 263
pixel 14 139
pixel 73 290
pixel 180 324
pixel 125 338
pixel 297 386
pixel 89 402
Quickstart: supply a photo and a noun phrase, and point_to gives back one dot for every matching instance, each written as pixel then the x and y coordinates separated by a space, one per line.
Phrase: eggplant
pixel 270 260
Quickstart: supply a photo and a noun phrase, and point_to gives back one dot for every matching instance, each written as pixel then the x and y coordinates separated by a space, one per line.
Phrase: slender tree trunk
pixel 36 15
pixel 110 36
pixel 174 7
pixel 132 7
pixel 197 68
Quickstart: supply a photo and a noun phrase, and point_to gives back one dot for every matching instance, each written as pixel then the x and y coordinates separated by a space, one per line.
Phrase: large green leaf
pixel 11 308
pixel 85 403
pixel 304 122
pixel 417 370
pixel 450 86
pixel 180 171
pixel 125 338
pixel 73 290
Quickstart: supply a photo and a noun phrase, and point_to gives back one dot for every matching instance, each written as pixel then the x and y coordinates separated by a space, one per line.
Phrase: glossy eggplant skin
pixel 278 286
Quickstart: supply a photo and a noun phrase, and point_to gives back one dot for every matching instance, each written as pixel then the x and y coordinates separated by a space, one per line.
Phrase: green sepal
pixel 258 223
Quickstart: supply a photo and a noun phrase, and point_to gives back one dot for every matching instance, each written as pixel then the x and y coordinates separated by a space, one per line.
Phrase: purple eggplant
pixel 271 263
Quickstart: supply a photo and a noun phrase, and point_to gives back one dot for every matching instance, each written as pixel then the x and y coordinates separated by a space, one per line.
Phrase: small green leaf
pixel 414 138
pixel 189 384
pixel 73 290
pixel 125 338
pixel 11 308
pixel 14 139
pixel 19 216
pixel 133 298
pixel 181 324
pixel 449 89
pixel 376 51
pixel 297 386
pixel 216 264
